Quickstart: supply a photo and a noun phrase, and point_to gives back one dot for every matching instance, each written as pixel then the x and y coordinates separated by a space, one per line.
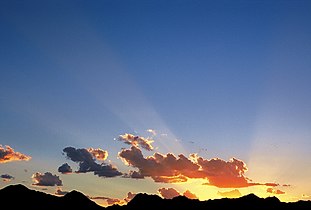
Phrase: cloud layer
pixel 87 163
pixel 7 154
pixel 171 169
pixel 136 141
pixel 46 179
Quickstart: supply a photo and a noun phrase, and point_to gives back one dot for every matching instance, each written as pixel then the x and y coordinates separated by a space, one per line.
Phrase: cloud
pixel 230 194
pixel 65 169
pixel 171 169
pixel 275 191
pixel 168 193
pixel 87 163
pixel 153 132
pixel 7 154
pixel 46 179
pixel 59 191
pixel 136 141
pixel 130 196
pixel 134 175
pixel 189 195
pixel 98 153
pixel 6 177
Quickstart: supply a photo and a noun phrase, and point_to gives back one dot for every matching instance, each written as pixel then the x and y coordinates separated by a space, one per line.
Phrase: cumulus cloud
pixel 136 141
pixel 7 154
pixel 87 163
pixel 190 195
pixel 59 191
pixel 275 191
pixel 98 153
pixel 65 169
pixel 6 177
pixel 46 179
pixel 230 194
pixel 168 193
pixel 170 168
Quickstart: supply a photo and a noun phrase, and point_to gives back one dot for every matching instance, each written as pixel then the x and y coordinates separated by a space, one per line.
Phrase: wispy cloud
pixel 6 177
pixel 46 179
pixel 87 163
pixel 170 168
pixel 153 132
pixel 112 201
pixel 7 154
pixel 136 141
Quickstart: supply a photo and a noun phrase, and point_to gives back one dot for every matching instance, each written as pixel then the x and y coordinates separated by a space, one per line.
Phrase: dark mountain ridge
pixel 19 196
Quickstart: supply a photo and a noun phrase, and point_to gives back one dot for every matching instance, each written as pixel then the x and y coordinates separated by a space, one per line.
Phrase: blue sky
pixel 220 78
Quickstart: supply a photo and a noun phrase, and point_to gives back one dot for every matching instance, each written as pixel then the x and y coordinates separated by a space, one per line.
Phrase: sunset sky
pixel 207 99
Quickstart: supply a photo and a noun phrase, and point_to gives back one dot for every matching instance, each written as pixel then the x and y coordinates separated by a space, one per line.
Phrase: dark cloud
pixel 170 168
pixel 130 196
pixel 59 191
pixel 136 141
pixel 87 163
pixel 65 169
pixel 168 193
pixel 230 194
pixel 7 154
pixel 6 177
pixel 134 175
pixel 46 179
pixel 274 191
pixel 189 195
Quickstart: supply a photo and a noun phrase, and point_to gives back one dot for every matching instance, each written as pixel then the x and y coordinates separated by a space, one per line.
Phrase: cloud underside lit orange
pixel 171 169
pixel 7 154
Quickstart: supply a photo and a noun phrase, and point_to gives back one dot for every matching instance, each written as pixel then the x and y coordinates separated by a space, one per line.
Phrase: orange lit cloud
pixel 230 194
pixel 168 193
pixel 7 154
pixel 190 195
pixel 98 153
pixel 6 177
pixel 169 168
pixel 46 179
pixel 87 163
pixel 136 141
pixel 274 191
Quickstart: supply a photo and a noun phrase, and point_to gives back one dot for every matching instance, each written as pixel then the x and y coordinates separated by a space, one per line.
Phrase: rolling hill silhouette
pixel 20 197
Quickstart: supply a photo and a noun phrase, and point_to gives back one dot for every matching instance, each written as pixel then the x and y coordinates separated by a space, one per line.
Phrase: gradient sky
pixel 220 79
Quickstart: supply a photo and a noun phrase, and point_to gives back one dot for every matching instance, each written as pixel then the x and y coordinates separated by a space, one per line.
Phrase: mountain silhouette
pixel 20 197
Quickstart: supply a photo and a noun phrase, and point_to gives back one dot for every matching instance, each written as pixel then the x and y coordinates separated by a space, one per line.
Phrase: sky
pixel 206 99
